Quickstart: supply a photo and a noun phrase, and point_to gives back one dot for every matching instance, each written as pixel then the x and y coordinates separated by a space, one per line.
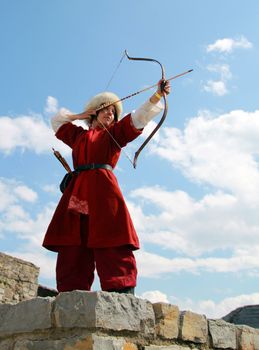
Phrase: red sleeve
pixel 124 131
pixel 68 133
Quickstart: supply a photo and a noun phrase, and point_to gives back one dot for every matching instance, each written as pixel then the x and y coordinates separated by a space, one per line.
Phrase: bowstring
pixel 106 88
pixel 115 71
pixel 116 142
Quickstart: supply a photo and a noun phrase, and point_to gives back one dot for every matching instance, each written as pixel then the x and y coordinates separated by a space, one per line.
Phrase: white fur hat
pixel 105 98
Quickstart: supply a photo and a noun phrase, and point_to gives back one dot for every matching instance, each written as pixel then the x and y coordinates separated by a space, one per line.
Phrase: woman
pixel 91 227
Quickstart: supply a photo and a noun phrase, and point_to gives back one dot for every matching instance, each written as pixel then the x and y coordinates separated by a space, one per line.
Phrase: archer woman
pixel 91 227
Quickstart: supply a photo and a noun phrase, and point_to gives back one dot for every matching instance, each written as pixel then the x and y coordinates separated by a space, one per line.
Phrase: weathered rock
pixel 92 342
pixel 193 327
pixel 104 310
pixel 6 344
pixel 223 334
pixel 27 316
pixel 169 347
pixel 18 279
pixel 167 320
pixel 245 337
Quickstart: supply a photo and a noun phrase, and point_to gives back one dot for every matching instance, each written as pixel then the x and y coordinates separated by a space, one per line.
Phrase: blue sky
pixel 194 197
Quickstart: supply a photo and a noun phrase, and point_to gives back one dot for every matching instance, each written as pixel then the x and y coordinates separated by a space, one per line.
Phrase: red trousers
pixel 116 267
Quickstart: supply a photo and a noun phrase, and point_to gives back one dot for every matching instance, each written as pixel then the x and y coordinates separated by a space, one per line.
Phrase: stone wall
pixel 18 279
pixel 104 321
pixel 109 321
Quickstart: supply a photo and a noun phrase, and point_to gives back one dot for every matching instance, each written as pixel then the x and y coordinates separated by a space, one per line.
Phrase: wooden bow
pixel 137 153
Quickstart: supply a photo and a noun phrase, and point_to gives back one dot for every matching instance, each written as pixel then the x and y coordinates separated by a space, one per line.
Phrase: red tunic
pixel 95 192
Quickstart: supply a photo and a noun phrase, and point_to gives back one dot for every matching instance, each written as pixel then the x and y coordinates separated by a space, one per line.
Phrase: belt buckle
pixel 92 166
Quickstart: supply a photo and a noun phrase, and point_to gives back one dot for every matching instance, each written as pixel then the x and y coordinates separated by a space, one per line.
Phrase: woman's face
pixel 106 116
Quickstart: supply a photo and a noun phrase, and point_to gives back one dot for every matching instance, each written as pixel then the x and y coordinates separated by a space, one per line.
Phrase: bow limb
pixel 165 106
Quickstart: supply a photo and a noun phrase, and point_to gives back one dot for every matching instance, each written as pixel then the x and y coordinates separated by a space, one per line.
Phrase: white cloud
pixel 190 227
pixel 220 154
pixel 16 221
pixel 228 45
pixel 32 133
pixel 216 87
pixel 51 105
pixel 154 266
pixel 28 133
pixel 219 86
pixel 216 310
pixel 222 69
pixel 7 197
pixel 220 151
pixel 155 296
pixel 25 193
pixel 52 189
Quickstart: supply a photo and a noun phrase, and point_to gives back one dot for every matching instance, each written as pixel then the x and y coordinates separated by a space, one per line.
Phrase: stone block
pixel 26 344
pixel 6 344
pixel 93 342
pixel 223 334
pixel 193 327
pixel 256 339
pixel 168 347
pixel 245 338
pixel 110 343
pixel 167 320
pixel 104 310
pixel 26 316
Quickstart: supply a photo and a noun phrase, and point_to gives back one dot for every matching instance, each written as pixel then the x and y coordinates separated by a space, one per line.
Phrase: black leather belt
pixel 92 166
pixel 68 177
